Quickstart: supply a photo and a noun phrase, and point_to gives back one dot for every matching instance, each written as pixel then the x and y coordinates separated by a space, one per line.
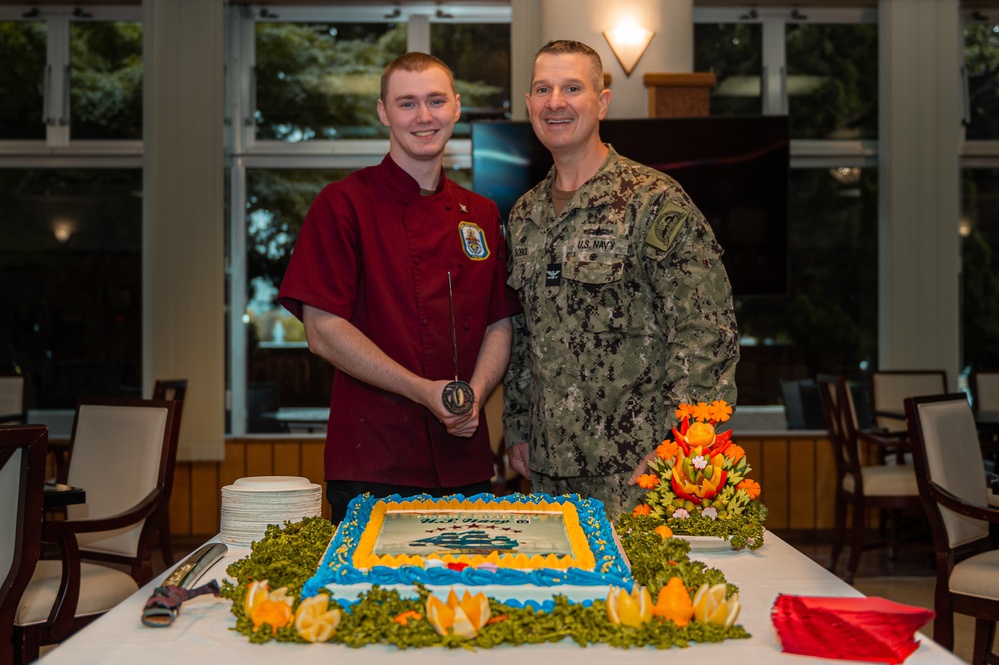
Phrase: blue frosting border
pixel 336 567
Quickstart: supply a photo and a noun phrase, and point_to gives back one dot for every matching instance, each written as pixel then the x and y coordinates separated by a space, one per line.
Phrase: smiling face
pixel 565 105
pixel 420 109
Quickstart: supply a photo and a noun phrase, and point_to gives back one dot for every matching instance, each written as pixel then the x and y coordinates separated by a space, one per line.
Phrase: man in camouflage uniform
pixel 627 307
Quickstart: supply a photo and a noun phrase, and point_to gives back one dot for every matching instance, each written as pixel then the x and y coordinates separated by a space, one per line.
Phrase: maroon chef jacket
pixel 376 252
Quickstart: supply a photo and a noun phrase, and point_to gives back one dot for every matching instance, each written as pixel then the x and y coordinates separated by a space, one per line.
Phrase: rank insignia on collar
pixel 463 207
pixel 473 241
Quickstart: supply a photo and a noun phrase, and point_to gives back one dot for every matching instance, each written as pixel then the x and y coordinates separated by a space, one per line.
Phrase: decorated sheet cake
pixel 520 549
pixel 480 571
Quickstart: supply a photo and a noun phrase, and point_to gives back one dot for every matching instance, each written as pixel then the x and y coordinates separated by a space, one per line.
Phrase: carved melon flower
pixel 462 617
pixel 647 481
pixel 720 411
pixel 667 450
pixel 751 487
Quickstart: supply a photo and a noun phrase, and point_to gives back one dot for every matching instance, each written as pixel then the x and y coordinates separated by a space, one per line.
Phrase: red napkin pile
pixel 868 629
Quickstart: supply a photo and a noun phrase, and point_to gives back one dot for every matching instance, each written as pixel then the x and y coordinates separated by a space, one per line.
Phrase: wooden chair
pixel 124 457
pixel 951 477
pixel 889 388
pixel 22 484
pixel 13 399
pixel 984 385
pixel 886 487
pixel 175 389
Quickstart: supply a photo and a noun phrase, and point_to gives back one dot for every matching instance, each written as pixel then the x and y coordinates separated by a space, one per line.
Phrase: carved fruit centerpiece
pixel 697 482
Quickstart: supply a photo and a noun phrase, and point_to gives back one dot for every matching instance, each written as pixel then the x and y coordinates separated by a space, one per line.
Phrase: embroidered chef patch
pixel 473 241
pixel 667 225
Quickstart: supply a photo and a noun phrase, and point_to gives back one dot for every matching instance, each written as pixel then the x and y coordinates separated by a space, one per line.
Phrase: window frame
pixel 58 140
pixel 244 151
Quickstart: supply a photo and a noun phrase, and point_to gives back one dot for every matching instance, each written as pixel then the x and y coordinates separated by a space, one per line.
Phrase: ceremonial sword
pixel 458 397
pixel 164 605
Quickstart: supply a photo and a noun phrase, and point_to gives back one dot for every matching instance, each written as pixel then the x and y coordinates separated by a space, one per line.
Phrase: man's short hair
pixel 414 61
pixel 571 47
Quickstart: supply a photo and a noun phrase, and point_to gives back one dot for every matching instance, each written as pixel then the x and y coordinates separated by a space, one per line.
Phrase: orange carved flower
pixel 734 452
pixel 275 613
pixel 667 450
pixel 647 481
pixel 702 411
pixel 642 509
pixel 720 410
pixel 751 486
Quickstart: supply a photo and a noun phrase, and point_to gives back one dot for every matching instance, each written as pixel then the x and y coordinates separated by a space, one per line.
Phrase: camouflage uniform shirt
pixel 627 312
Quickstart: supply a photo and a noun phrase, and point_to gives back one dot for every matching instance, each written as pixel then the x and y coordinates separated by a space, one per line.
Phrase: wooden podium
pixel 679 95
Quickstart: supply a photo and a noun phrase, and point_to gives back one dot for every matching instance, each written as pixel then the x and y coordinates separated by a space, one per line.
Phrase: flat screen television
pixel 734 169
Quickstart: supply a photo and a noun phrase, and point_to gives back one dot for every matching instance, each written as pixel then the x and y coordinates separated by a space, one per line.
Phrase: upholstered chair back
pixel 116 460
pixel 954 462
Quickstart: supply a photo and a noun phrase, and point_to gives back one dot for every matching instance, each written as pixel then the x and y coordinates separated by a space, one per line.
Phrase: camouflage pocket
pixel 598 298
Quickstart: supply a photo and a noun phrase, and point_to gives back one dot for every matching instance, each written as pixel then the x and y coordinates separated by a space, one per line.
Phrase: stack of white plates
pixel 250 504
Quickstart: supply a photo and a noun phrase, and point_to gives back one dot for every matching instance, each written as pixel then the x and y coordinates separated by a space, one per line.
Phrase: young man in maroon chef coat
pixel 369 279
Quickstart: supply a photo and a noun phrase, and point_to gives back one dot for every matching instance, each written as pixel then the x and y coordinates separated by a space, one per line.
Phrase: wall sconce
pixel 63 229
pixel 628 41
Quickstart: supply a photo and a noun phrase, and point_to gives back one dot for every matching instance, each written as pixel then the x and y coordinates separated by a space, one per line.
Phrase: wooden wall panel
pixel 801 501
pixel 774 480
pixel 206 498
pixel 233 467
pixel 825 485
pixel 801 484
pixel 312 467
pixel 180 499
pixel 260 458
pixel 286 459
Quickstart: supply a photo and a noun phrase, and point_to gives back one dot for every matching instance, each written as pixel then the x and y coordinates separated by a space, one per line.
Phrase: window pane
pixel 980 269
pixel 71 282
pixel 832 81
pixel 981 61
pixel 22 79
pixel 106 80
pixel 828 321
pixel 734 52
pixel 479 57
pixel 281 371
pixel 322 80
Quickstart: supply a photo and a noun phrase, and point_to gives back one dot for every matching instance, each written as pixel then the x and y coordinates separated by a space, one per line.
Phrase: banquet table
pixel 201 632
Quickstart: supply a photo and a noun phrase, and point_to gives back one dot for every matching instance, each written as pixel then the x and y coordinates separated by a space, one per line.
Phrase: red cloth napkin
pixel 868 629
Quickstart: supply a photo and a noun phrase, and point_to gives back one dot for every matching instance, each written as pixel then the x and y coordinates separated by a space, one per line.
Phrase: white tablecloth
pixel 201 632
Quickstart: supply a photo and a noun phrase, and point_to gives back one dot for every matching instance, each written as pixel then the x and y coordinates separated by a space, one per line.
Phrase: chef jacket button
pixel 466 326
pixel 425 322
pixel 416 261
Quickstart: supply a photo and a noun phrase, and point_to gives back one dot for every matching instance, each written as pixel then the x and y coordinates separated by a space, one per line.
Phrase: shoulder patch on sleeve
pixel 667 224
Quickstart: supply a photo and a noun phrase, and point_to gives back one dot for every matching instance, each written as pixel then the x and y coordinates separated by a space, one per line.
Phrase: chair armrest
pixel 64 533
pixel 889 440
pixel 962 507
pixel 54 532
